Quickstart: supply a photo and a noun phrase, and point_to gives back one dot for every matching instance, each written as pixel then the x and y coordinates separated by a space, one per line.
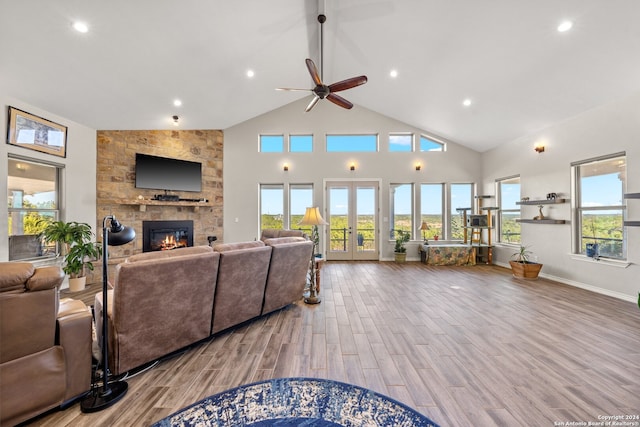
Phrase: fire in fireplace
pixel 166 235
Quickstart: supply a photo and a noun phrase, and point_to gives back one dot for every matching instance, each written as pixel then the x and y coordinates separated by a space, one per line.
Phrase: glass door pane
pixel 353 220
pixel 366 209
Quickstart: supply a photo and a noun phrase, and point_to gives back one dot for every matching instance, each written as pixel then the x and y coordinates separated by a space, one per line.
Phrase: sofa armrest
pixel 74 336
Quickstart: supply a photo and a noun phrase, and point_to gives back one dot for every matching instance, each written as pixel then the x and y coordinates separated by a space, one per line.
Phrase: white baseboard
pixel 596 289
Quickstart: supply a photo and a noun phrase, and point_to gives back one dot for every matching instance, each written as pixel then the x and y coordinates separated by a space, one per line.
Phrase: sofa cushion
pixel 15 275
pixel 225 247
pixel 283 240
pixel 169 254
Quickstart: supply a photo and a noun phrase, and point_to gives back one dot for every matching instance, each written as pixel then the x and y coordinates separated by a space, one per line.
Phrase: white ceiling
pixel 139 55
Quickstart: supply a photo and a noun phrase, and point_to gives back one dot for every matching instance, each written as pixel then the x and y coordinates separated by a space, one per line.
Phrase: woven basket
pixel 528 270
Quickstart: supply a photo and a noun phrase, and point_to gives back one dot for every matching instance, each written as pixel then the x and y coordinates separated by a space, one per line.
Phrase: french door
pixel 353 231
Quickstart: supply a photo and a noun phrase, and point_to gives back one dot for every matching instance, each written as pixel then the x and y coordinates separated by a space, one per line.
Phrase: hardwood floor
pixel 466 346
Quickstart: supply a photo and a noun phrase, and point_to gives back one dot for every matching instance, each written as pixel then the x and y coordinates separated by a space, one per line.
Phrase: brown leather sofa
pixel 164 301
pixel 45 343
pixel 160 302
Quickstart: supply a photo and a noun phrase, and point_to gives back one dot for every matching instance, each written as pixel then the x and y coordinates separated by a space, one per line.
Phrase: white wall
pixel 606 130
pixel 79 177
pixel 245 168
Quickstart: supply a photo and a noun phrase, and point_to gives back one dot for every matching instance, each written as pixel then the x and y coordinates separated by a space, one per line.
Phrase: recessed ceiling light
pixel 250 73
pixel 80 27
pixel 177 102
pixel 565 26
pixel 393 73
pixel 466 102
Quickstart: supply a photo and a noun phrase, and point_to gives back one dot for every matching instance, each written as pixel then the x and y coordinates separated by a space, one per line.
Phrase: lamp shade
pixel 120 234
pixel 312 217
pixel 424 226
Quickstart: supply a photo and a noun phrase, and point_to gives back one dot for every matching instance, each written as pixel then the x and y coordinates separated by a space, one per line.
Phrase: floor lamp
pixel 113 235
pixel 312 217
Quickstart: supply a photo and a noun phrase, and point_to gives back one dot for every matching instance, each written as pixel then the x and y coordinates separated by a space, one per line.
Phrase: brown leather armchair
pixel 45 343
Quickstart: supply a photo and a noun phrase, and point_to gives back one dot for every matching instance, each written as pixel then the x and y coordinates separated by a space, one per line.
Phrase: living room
pixel 237 168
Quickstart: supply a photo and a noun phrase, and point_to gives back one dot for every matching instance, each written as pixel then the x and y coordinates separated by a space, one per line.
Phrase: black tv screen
pixel 167 174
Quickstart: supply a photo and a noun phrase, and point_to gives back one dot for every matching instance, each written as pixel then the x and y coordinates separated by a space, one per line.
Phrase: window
pixel 271 206
pixel 599 187
pixel 352 143
pixel 428 144
pixel 301 143
pixel 461 197
pixel 508 196
pixel 432 210
pixel 33 196
pixel 300 198
pixel 401 196
pixel 400 142
pixel 271 143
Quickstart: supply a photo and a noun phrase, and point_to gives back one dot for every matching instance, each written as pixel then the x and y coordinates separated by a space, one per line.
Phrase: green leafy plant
pixel 401 238
pixel 522 256
pixel 79 257
pixel 74 241
pixel 65 233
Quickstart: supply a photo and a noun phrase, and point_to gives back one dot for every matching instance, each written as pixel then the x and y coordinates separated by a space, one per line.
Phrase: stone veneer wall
pixel 116 182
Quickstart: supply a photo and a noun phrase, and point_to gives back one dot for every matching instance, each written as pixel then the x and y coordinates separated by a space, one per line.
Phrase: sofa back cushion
pixel 241 282
pixel 28 308
pixel 288 270
pixel 161 305
pixel 169 254
pixel 269 233
pixel 225 247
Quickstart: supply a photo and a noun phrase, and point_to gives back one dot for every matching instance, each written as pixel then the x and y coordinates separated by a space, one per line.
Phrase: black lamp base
pixel 101 399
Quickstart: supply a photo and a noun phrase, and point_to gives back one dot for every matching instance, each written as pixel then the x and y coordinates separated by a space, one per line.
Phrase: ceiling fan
pixel 321 90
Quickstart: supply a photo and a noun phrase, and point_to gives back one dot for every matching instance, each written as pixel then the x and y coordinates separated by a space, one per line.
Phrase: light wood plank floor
pixel 466 346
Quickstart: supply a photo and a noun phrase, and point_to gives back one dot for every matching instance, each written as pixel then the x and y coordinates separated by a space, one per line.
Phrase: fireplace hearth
pixel 166 235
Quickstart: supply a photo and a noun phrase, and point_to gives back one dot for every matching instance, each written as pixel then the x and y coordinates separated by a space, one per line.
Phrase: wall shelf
pixel 542 202
pixel 542 221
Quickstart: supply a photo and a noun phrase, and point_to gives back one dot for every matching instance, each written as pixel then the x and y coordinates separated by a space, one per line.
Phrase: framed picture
pixel 33 132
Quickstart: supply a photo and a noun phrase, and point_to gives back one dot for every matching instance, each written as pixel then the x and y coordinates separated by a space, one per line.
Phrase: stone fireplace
pixel 166 235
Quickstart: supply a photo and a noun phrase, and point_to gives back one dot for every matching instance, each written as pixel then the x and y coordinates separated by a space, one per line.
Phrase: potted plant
pixel 400 250
pixel 522 267
pixel 74 243
pixel 78 260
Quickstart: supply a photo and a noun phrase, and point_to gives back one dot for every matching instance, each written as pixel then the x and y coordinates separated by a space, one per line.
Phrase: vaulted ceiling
pixel 506 56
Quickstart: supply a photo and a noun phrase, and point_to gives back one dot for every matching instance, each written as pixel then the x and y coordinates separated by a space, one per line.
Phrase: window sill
pixel 604 261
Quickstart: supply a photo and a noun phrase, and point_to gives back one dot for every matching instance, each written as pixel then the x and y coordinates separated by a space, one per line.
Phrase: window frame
pixel 432 232
pixel 46 250
pixel 502 211
pixel 392 210
pixel 272 135
pixel 578 210
pixel 404 135
pixel 431 139
pixel 329 137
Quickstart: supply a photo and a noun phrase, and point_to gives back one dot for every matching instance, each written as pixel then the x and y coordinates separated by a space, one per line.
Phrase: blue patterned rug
pixel 287 402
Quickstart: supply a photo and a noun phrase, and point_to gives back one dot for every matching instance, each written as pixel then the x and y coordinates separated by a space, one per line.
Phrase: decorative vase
pixel 592 249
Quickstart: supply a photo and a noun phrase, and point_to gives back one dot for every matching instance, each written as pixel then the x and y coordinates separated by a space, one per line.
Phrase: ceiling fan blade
pixel 313 71
pixel 340 101
pixel 294 89
pixel 313 102
pixel 348 83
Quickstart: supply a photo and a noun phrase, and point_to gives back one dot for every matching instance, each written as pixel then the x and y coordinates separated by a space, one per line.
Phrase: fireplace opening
pixel 166 235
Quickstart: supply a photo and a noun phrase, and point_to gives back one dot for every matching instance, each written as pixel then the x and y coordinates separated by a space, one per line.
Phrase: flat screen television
pixel 163 173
